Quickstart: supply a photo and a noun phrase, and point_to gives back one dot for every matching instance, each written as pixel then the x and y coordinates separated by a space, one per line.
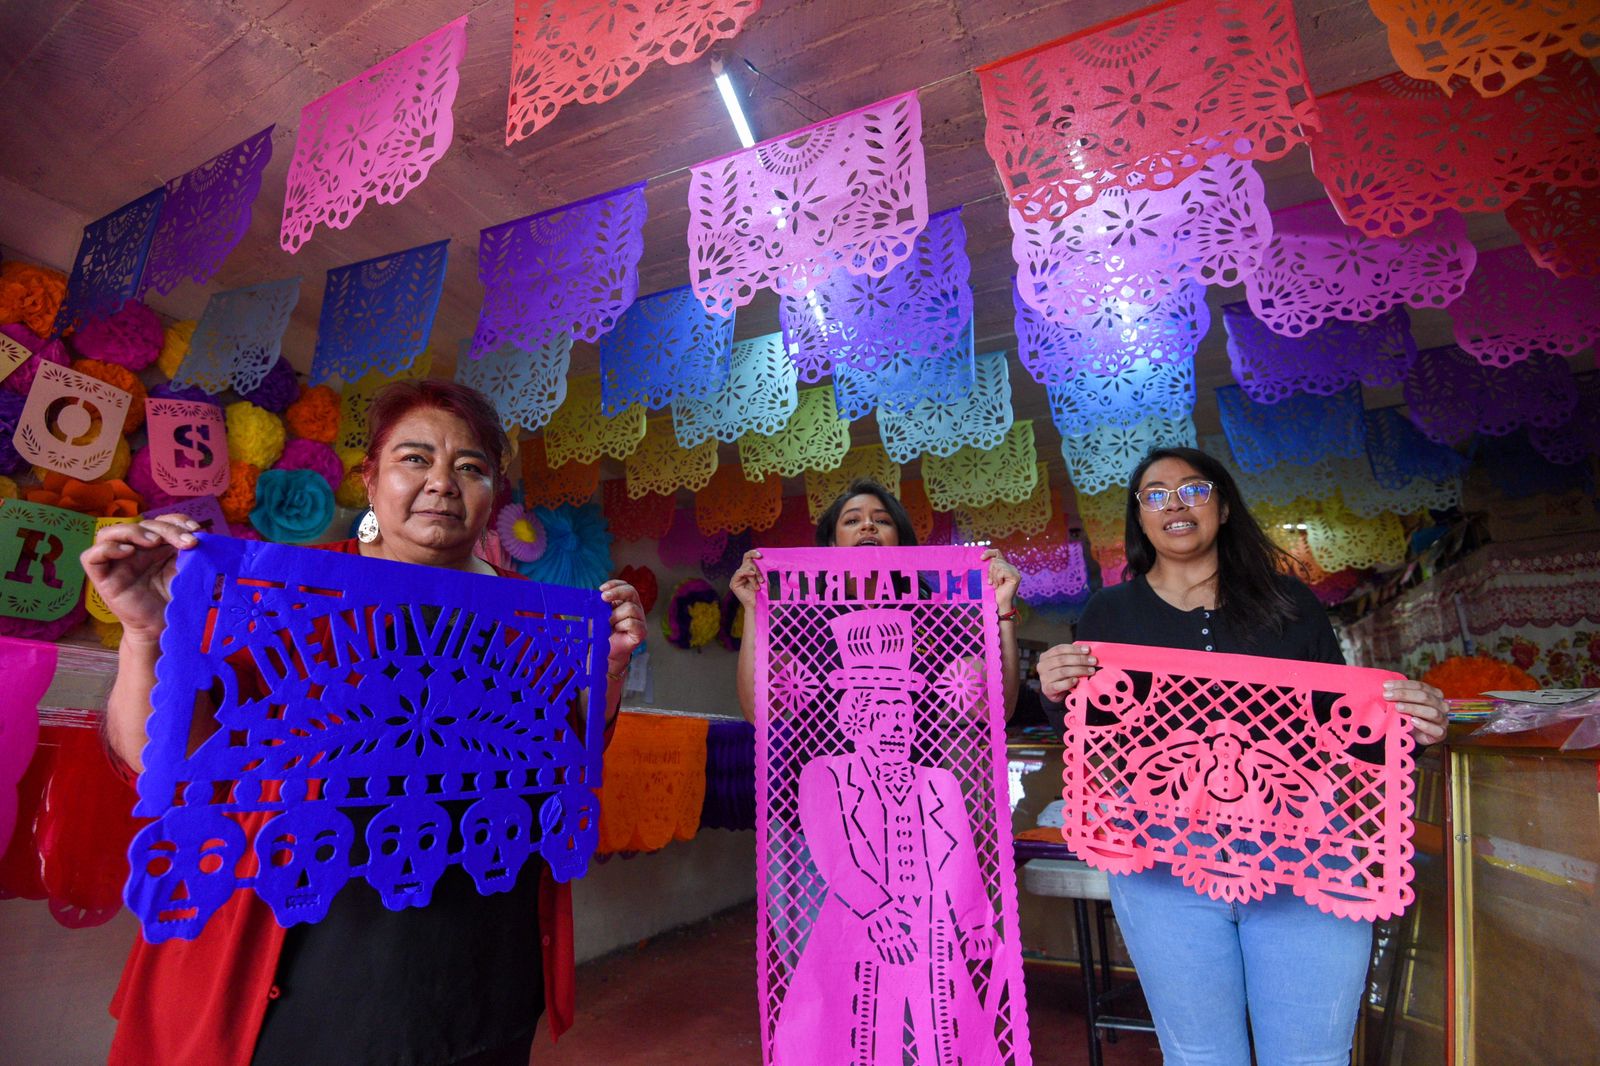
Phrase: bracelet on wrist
pixel 1009 616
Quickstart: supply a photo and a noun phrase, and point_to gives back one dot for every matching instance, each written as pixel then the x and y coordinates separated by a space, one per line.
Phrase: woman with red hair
pixel 460 981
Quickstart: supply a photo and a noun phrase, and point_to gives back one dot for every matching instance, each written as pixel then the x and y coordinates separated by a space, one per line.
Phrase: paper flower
pixel 643 580
pixel 277 390
pixel 352 491
pixel 118 377
pixel 255 435
pixel 292 506
pixel 10 410
pixel 522 535
pixel 351 458
pixel 1463 677
pixel 174 346
pixel 315 415
pixel 243 531
pixel 240 499
pixel 31 295
pixel 8 488
pixel 577 547
pixel 142 481
pixel 102 499
pixel 50 631
pixel 121 459
pixel 303 454
pixel 679 623
pixel 20 380
pixel 109 633
pixel 705 620
pixel 166 390
pixel 131 338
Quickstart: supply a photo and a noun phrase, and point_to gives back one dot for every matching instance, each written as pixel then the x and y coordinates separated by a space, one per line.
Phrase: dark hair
pixel 395 401
pixel 1249 587
pixel 862 486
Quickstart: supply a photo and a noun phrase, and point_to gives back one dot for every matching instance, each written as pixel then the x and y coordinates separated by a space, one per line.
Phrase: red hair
pixel 398 399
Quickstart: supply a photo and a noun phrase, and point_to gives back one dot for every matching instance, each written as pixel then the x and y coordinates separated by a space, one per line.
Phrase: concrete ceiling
pixel 107 98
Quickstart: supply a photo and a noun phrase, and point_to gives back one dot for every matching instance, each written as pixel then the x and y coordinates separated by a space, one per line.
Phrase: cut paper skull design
pixel 888 922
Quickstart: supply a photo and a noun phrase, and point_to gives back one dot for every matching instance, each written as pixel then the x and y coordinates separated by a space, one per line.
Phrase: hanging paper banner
pixel 109 268
pixel 1298 429
pixel 1142 102
pixel 82 829
pixel 1106 456
pixel 1367 497
pixel 13 353
pixel 730 504
pixel 1492 44
pixel 41 578
pixel 1400 454
pixel 546 486
pixel 1103 513
pixel 588 51
pixel 375 137
pixel 572 270
pixel 1395 152
pixel 869 461
pixel 1316 268
pixel 661 466
pixel 342 700
pixel 1579 437
pixel 29 666
pixel 1244 774
pixel 188 447
pixel 579 432
pixel 1271 367
pixel 759 397
pixel 1112 336
pixel 239 338
pixel 1053 567
pixel 1560 227
pixel 979 419
pixel 527 386
pixel 1495 320
pixel 1517 471
pixel 880 726
pixel 1006 518
pixel 815 438
pixel 847 192
pixel 1140 244
pixel 665 347
pixel 730 776
pixel 921 308
pixel 973 478
pixel 1449 394
pixel 914 498
pixel 794 527
pixel 655 782
pixel 1341 539
pixel 356 398
pixel 647 517
pixel 907 381
pixel 377 314
pixel 1146 389
pixel 206 214
pixel 205 510
pixel 71 422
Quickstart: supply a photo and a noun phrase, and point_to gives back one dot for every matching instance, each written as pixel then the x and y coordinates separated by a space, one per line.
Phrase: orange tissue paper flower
pixel 31 295
pixel 1463 677
pixel 102 499
pixel 240 499
pixel 315 415
pixel 118 377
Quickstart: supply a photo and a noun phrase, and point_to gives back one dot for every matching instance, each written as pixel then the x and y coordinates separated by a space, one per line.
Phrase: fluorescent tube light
pixel 730 100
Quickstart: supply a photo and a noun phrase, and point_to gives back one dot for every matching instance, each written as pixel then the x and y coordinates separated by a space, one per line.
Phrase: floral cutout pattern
pixel 1493 44
pixel 760 396
pixel 1326 360
pixel 239 338
pixel 648 517
pixel 1111 336
pixel 665 347
pixel 1165 390
pixel 527 387
pixel 730 504
pixel 206 214
pixel 660 465
pixel 1493 321
pixel 970 477
pixel 907 381
pixel 109 268
pixel 1560 227
pixel 1298 429
pixel 378 314
pixel 1104 457
pixel 579 431
pixel 1449 394
pixel 980 418
pixel 1006 518
pixel 868 461
pixel 815 438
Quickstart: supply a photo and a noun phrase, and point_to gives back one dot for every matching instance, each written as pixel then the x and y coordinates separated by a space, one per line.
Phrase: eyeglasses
pixel 1190 494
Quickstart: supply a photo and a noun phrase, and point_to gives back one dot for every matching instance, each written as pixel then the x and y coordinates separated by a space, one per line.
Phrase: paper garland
pixel 549 486
pixel 1342 540
pixel 973 478
pixel 206 214
pixel 580 431
pixel 655 782
pixel 647 517
pixel 867 461
pixel 848 192
pixel 1111 337
pixel 1086 401
pixel 906 381
pixel 1323 361
pixel 1492 44
pixel 239 337
pixel 1316 268
pixel 1298 429
pixel 41 578
pixel 815 438
pixel 758 397
pixel 1400 454
pixel 377 314
pixel 188 447
pixel 1450 394
pixel 71 422
pixel 1395 152
pixel 1579 437
pixel 356 399
pixel 571 270
pixel 921 308
pixel 1005 517
pixel 1560 227
pixel 373 138
pixel 1496 321
pixel 661 466
pixel 108 270
pixel 526 386
pixel 1142 102
pixel 980 418
pixel 587 51
pixel 1106 456
pixel 730 504
pixel 665 347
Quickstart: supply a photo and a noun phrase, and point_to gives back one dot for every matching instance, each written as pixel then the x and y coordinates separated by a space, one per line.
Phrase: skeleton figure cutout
pixel 888 925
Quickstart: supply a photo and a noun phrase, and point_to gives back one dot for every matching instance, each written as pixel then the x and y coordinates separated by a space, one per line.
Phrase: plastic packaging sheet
pixel 1494 44
pixel 378 314
pixel 1245 774
pixel 1112 336
pixel 1395 152
pixel 887 915
pixel 109 268
pixel 1142 101
pixel 849 192
pixel 29 666
pixel 665 347
pixel 375 137
pixel 206 214
pixel 457 718
pixel 239 338
pixel 573 270
pixel 1322 361
pixel 1512 309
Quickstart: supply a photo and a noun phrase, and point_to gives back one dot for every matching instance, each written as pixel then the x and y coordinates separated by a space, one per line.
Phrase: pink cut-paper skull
pixel 409 845
pixel 304 861
pixel 189 858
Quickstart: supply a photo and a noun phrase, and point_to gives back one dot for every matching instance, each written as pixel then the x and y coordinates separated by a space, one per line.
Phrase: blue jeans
pixel 1203 963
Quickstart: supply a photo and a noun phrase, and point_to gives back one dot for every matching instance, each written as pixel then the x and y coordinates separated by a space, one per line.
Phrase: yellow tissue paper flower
pixel 351 457
pixel 110 633
pixel 704 621
pixel 352 491
pixel 8 488
pixel 175 345
pixel 255 436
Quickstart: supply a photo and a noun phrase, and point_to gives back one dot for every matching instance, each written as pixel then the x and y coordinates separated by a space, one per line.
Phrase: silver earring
pixel 367 531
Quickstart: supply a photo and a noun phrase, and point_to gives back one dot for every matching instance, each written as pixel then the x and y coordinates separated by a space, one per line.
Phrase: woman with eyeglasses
pixel 1203 576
